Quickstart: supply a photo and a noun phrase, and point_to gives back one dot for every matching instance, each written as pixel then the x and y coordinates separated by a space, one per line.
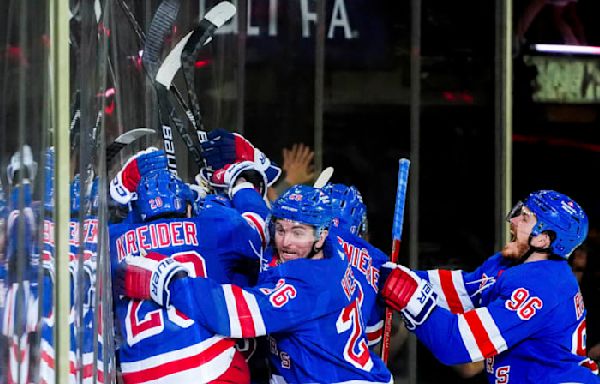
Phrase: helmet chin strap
pixel 314 250
pixel 533 249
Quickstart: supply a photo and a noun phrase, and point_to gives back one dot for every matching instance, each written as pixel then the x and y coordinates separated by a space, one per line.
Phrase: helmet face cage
pixel 305 205
pixel 349 210
pixel 161 193
pixel 559 214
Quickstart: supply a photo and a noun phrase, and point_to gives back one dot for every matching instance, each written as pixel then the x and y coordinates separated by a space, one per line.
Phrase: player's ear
pixel 322 237
pixel 542 240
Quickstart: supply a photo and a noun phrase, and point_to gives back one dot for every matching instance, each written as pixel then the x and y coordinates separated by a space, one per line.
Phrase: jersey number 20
pixel 153 322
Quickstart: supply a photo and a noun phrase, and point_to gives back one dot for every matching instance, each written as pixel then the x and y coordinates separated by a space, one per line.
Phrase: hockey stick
pixel 74 127
pixel 142 42
pixel 184 55
pixel 170 66
pixel 202 35
pixel 123 140
pixel 403 168
pixel 161 24
pixel 323 177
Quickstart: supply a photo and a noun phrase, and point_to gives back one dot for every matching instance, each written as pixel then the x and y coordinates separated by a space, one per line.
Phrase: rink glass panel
pixel 260 76
pixel 26 252
pixel 27 201
pixel 26 259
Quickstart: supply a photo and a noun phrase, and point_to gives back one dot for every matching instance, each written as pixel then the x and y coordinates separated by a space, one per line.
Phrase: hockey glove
pixel 223 148
pixel 123 186
pixel 220 148
pixel 148 277
pixel 227 178
pixel 407 293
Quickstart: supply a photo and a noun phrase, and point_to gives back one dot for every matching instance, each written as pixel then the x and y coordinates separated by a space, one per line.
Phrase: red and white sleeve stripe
pixel 200 362
pixel 245 318
pixel 450 287
pixel 480 334
pixel 259 226
pixel 374 333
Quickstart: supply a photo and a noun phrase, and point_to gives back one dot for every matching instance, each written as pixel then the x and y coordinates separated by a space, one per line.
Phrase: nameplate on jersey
pixel 156 236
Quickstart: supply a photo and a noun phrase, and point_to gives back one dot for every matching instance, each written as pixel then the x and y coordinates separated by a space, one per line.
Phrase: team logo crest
pixel 486 281
pixel 568 206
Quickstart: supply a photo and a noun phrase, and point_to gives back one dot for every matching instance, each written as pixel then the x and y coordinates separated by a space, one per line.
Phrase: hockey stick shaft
pixel 184 56
pixel 160 26
pixel 403 170
pixel 141 35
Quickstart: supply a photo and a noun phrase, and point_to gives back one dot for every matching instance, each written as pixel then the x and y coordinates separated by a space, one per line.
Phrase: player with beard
pixel 521 312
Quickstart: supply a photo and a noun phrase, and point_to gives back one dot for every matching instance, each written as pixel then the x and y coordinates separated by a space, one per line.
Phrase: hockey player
pixel 20 315
pixel 81 284
pixel 521 311
pixel 163 345
pixel 349 227
pixel 308 304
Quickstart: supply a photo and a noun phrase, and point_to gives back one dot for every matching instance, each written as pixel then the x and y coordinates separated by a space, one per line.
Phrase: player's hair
pixel 559 216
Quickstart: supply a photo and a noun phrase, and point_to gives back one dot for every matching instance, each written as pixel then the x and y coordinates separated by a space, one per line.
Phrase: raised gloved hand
pixel 125 183
pixel 227 178
pixel 407 293
pixel 224 148
pixel 148 277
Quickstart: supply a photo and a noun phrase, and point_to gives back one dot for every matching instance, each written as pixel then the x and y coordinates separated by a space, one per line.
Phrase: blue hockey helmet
pixel 561 215
pixel 160 193
pixel 306 205
pixel 350 213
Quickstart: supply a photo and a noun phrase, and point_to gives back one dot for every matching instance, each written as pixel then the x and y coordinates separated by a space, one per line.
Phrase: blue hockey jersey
pixel 161 345
pixel 82 285
pixel 366 261
pixel 309 308
pixel 527 321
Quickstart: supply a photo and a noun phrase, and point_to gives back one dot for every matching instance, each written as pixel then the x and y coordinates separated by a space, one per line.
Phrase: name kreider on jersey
pixel 153 236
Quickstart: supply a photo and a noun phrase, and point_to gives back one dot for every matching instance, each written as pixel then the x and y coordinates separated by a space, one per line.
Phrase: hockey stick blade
pixel 125 139
pixel 160 26
pixel 215 18
pixel 323 178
